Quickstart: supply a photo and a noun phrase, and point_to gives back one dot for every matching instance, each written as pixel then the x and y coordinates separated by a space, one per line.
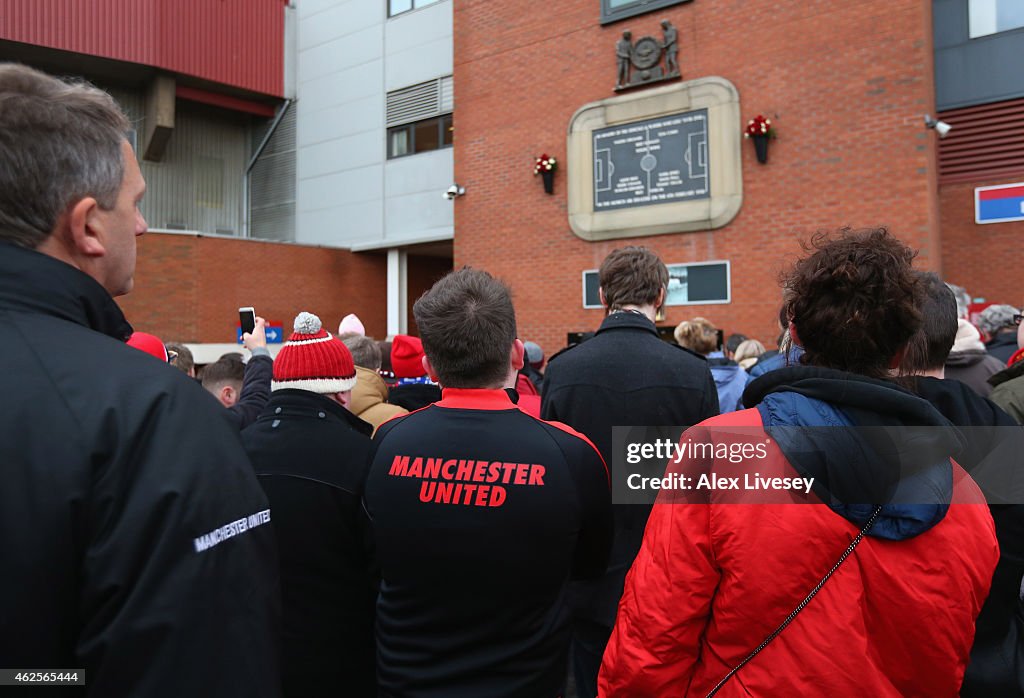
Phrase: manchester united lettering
pixel 468 482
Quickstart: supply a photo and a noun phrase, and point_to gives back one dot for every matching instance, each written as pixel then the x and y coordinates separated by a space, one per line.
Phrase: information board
pixel 696 283
pixel 650 162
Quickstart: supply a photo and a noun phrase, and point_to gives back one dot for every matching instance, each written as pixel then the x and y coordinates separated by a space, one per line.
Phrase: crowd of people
pixel 433 516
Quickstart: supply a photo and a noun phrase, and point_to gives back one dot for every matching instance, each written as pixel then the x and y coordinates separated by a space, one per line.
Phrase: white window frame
pixel 611 14
pixel 416 4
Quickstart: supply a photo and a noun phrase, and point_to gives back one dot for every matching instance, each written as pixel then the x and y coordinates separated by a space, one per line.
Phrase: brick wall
pixel 845 84
pixel 189 288
pixel 981 258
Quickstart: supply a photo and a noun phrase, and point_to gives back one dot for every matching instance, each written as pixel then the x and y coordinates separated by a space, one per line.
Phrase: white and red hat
pixel 313 360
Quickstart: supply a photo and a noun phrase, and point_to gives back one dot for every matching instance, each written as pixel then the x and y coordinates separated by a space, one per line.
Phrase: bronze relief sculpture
pixel 641 63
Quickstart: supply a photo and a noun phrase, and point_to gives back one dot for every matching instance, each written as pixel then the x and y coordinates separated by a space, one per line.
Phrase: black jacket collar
pixel 37 283
pixel 290 401
pixel 627 320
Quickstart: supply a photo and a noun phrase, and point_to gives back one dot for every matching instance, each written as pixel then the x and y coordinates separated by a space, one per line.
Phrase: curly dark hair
pixel 854 300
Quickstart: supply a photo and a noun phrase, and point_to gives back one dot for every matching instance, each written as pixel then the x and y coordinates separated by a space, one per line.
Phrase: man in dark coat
pixel 133 533
pixel 993 442
pixel 626 375
pixel 311 456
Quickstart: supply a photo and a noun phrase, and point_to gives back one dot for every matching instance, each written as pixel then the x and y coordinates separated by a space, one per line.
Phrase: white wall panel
pixel 342 19
pixel 340 87
pixel 349 51
pixel 341 154
pixel 340 225
pixel 350 55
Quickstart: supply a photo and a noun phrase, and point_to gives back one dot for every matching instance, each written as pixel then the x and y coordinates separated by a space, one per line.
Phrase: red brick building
pixel 846 86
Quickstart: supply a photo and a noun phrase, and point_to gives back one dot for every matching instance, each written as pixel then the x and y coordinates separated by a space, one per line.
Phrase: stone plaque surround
pixel 715 94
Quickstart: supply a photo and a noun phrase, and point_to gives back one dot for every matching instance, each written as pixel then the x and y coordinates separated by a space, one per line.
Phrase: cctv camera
pixel 941 127
pixel 454 191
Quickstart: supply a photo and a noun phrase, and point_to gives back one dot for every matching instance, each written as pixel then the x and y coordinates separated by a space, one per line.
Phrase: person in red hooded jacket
pixel 870 476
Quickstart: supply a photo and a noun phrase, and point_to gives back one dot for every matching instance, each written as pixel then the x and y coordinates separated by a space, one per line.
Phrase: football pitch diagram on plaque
pixel 654 161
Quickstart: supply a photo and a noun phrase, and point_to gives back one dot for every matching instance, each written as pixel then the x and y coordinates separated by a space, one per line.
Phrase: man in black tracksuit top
pixel 481 515
pixel 624 376
pixel 134 539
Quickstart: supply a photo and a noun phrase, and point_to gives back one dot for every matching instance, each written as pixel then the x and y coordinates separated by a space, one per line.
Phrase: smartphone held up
pixel 247 318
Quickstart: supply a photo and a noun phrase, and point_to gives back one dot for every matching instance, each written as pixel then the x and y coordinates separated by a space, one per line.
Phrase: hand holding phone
pixel 254 332
pixel 247 317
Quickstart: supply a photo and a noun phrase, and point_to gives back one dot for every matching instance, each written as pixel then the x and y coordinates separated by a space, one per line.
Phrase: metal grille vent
pixel 987 141
pixel 272 185
pixel 418 102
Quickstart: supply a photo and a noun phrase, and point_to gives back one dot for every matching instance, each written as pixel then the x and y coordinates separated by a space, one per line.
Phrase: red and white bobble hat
pixel 313 360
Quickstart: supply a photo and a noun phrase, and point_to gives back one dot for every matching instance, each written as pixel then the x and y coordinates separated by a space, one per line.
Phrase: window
pixel 614 10
pixel 987 17
pixel 421 136
pixel 419 117
pixel 397 7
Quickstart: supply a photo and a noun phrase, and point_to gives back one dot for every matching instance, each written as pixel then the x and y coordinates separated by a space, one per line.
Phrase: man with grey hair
pixel 132 528
pixel 963 300
pixel 1000 324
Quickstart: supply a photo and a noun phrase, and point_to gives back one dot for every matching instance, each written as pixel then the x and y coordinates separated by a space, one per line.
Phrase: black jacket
pixel 973 368
pixel 133 534
pixel 413 396
pixel 481 514
pixel 311 456
pixel 255 390
pixel 1003 345
pixel 993 444
pixel 624 376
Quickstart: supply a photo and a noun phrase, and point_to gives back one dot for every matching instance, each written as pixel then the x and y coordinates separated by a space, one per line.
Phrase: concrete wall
pixel 350 55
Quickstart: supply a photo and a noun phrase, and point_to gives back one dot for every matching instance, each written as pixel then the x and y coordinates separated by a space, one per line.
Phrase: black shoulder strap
pixel 802 604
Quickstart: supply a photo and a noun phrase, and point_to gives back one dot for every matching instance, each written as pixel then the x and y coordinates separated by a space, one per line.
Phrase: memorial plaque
pixel 649 162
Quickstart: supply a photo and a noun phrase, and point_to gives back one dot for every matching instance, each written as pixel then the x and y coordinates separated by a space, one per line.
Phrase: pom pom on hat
pixel 351 324
pixel 313 360
pixel 307 323
pixel 148 343
pixel 407 356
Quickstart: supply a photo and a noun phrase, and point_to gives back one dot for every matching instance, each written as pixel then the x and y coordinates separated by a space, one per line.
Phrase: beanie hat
pixel 313 360
pixel 996 317
pixel 407 356
pixel 967 338
pixel 534 354
pixel 149 344
pixel 351 324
